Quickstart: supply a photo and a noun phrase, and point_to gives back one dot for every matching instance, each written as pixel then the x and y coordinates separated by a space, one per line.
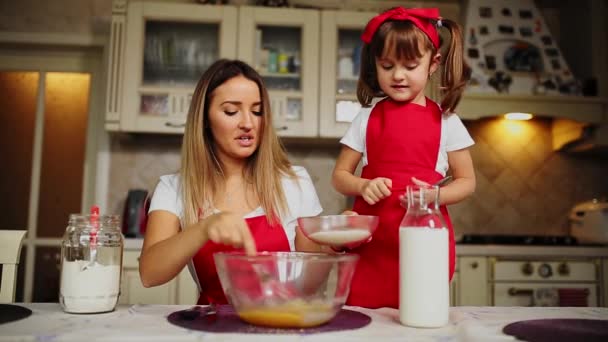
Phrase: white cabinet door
pixel 473 281
pixel 340 59
pixel 604 282
pixel 132 290
pixel 283 45
pixel 167 48
pixel 181 290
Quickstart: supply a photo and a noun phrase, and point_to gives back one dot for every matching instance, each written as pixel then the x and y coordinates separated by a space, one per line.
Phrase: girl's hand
pixel 376 189
pixel 229 229
pixel 429 194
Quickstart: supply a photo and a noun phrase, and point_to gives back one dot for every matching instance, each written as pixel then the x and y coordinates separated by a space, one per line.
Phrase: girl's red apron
pixel 402 142
pixel 268 238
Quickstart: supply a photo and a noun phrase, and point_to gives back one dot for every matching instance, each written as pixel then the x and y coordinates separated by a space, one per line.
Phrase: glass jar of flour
pixel 91 263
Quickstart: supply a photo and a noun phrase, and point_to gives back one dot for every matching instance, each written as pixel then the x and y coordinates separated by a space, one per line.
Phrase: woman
pixel 235 189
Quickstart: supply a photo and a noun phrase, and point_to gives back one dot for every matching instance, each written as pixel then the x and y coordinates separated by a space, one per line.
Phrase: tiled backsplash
pixel 523 187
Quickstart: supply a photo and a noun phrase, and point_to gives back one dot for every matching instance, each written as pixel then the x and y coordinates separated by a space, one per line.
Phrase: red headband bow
pixel 423 18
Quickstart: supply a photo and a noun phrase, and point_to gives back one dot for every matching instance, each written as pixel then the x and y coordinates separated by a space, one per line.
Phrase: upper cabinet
pixel 282 44
pixel 340 55
pixel 308 58
pixel 158 51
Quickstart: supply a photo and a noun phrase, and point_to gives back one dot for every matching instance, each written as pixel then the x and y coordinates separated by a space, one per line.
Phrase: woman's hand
pixel 376 189
pixel 229 229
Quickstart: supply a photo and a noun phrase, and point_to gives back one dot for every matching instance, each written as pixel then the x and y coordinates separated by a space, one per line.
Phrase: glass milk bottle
pixel 91 263
pixel 424 298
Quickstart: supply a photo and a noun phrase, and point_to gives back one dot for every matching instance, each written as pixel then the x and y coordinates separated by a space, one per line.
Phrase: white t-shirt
pixel 454 136
pixel 302 200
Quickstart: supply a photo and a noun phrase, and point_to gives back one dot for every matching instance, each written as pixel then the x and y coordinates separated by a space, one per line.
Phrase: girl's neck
pixel 419 100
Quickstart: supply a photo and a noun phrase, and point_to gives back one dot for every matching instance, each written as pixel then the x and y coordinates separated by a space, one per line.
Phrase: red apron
pixel 402 142
pixel 268 238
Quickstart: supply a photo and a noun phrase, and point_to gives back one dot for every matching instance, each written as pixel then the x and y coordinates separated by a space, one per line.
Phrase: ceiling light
pixel 518 116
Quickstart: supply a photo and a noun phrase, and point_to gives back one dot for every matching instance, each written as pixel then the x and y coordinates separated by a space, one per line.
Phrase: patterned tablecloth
pixel 149 323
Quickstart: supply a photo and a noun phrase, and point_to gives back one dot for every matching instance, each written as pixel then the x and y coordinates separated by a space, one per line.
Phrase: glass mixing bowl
pixel 286 289
pixel 339 230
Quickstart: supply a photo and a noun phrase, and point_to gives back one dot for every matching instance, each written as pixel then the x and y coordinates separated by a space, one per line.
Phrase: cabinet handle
pixel 175 125
pixel 281 128
pixel 563 269
pixel 474 265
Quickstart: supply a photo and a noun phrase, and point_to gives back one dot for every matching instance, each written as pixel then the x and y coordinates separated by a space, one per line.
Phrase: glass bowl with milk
pixel 339 231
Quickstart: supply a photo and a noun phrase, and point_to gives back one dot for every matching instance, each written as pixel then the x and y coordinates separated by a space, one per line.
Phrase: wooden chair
pixel 10 250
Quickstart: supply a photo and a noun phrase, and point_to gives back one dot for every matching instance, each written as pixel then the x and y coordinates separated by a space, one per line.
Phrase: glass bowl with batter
pixel 286 289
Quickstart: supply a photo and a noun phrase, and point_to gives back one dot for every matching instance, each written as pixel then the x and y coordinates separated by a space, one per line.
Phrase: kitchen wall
pixel 523 187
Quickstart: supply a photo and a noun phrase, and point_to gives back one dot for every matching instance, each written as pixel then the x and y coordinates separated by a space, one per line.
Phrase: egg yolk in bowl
pixel 293 314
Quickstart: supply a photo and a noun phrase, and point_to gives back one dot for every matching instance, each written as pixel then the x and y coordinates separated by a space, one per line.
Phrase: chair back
pixel 10 250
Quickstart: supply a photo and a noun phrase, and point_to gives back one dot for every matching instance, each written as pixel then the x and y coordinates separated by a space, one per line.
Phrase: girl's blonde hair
pixel 201 172
pixel 403 40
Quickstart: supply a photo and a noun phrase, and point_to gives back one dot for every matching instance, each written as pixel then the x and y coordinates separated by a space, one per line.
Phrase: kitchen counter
pixel 149 323
pixel 531 251
pixel 493 250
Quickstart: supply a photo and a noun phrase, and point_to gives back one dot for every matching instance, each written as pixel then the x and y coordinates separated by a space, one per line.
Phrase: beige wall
pixel 56 16
pixel 523 186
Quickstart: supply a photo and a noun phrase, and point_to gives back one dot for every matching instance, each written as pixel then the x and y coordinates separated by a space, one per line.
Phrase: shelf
pixel 347 97
pixel 280 74
pixel 579 108
pixel 349 78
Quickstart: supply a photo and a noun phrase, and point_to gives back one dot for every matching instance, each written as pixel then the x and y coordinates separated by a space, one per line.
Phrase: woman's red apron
pixel 402 142
pixel 268 238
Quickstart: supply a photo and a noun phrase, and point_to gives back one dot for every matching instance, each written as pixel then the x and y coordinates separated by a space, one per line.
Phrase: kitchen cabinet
pixel 472 287
pixel 157 53
pixel 604 282
pixel 282 44
pixel 180 290
pixel 340 62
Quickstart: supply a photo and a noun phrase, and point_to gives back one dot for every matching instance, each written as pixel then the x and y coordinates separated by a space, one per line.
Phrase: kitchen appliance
pixel 135 215
pixel 544 282
pixel 506 239
pixel 539 280
pixel 589 222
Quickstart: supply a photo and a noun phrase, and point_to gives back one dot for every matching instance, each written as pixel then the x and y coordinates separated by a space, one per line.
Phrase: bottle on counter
pixel 91 263
pixel 424 293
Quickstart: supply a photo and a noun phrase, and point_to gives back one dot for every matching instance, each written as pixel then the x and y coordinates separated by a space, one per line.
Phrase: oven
pixel 544 282
pixel 535 279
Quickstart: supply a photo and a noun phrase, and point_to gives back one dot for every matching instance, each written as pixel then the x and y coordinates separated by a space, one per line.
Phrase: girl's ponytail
pixel 456 72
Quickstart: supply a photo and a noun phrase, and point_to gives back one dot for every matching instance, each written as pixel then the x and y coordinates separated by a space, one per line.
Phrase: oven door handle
pixel 513 291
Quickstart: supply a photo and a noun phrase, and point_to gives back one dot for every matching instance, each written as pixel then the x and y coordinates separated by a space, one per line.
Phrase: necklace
pixel 229 194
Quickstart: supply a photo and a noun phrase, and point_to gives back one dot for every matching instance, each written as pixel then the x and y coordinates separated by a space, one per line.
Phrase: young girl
pixel 403 138
pixel 235 189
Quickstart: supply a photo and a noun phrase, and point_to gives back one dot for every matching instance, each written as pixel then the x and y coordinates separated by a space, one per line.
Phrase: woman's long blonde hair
pixel 404 40
pixel 201 172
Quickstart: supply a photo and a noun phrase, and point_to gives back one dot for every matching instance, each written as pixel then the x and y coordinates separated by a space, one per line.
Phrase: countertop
pixel 149 323
pixel 492 250
pixel 528 251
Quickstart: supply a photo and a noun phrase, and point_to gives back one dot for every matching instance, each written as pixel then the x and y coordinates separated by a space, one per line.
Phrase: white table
pixel 149 323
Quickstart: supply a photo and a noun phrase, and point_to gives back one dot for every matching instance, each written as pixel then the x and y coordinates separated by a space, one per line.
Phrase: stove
pixel 504 239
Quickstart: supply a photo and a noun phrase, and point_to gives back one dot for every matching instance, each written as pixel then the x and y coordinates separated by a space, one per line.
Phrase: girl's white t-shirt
pixel 454 136
pixel 300 193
